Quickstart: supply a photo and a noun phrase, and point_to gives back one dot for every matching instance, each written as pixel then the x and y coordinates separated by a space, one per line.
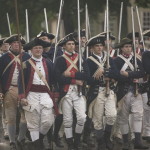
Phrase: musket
pixel 105 20
pixel 79 37
pixel 139 22
pixel 108 47
pixel 27 26
pixel 18 32
pixel 134 49
pixel 86 29
pixel 46 22
pixel 89 26
pixel 58 26
pixel 120 25
pixel 8 21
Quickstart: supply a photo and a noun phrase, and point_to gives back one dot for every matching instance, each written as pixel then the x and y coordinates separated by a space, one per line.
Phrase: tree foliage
pixel 36 14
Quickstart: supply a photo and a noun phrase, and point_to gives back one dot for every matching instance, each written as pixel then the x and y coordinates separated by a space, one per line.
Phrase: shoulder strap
pixel 127 63
pixel 112 53
pixel 96 62
pixel 39 73
pixel 15 59
pixel 73 63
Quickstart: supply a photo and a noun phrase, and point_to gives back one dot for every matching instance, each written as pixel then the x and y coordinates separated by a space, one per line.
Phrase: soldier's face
pixel 97 49
pixel 15 46
pixel 5 47
pixel 45 38
pixel 69 46
pixel 127 49
pixel 83 41
pixel 37 51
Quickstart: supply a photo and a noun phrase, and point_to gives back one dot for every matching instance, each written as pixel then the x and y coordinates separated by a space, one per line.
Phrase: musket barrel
pixel 58 26
pixel 8 24
pixel 139 22
pixel 108 47
pixel 134 48
pixel 27 26
pixel 46 22
pixel 120 24
pixel 87 29
pixel 105 20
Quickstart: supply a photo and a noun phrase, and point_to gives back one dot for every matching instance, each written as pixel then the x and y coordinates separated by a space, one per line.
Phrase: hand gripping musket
pixel 58 26
pixel 79 37
pixel 18 32
pixel 46 22
pixel 8 21
pixel 108 47
pixel 134 50
pixel 120 25
pixel 86 29
pixel 27 27
pixel 139 22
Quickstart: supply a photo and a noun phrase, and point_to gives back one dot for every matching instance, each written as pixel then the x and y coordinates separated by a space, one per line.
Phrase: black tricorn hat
pixel 130 35
pixel 49 35
pixel 98 39
pixel 36 42
pixel 146 33
pixel 82 33
pixel 69 37
pixel 13 38
pixel 123 42
pixel 111 36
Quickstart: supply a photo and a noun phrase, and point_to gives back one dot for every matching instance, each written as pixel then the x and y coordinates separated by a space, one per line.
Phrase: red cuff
pixel 73 81
pixel 72 75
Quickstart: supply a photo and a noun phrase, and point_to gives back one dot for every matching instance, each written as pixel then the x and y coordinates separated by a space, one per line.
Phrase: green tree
pixel 36 15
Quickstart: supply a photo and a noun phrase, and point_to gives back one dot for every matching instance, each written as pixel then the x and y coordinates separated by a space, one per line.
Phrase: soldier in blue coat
pixel 99 103
pixel 70 81
pixel 9 71
pixel 129 93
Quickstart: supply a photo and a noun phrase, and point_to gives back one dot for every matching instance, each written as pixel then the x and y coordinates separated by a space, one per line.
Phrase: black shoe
pixel 6 137
pixel 70 144
pixel 88 141
pixel 77 141
pixel 21 144
pixel 109 144
pixel 58 142
pixel 13 146
pixel 140 146
pixel 146 138
pixel 125 146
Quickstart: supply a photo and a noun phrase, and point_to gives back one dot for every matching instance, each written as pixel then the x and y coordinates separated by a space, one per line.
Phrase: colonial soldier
pixel 49 51
pixel 83 40
pixel 37 100
pixel 101 104
pixel 129 94
pixel 146 118
pixel 9 70
pixel 69 79
pixel 113 52
pixel 4 47
pixel 139 51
